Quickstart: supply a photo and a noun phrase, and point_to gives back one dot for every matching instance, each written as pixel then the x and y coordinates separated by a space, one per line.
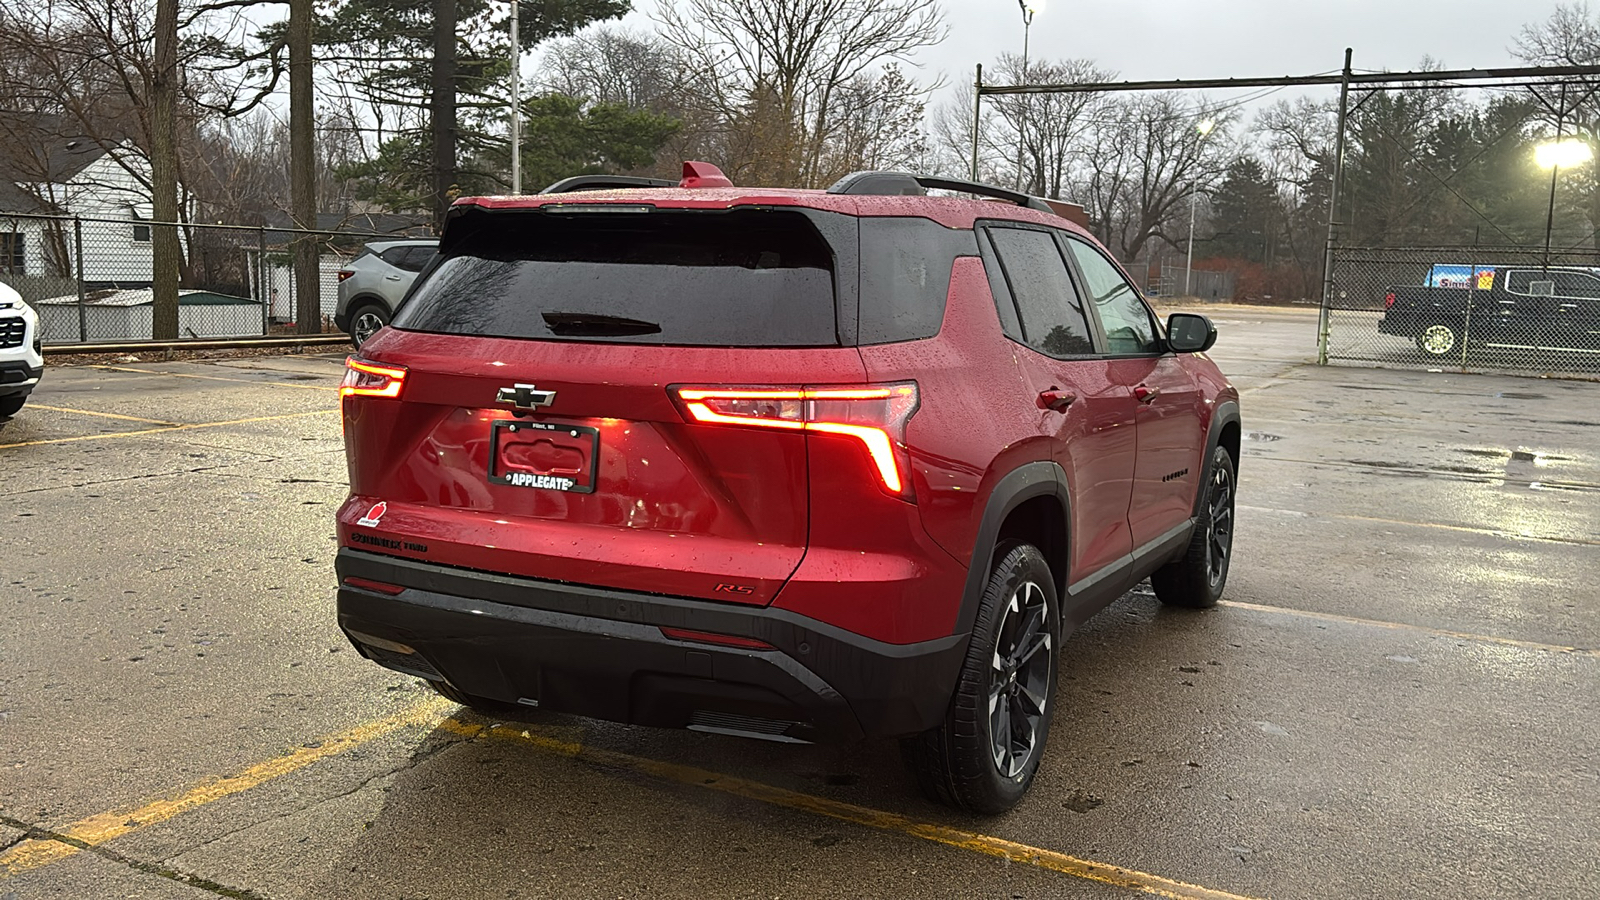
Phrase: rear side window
pixel 905 276
pixel 1053 321
pixel 745 278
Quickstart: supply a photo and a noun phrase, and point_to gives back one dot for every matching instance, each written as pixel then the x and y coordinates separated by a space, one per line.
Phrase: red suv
pixel 788 464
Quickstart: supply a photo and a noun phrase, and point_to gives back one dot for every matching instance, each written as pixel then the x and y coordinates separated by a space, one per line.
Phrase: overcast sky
pixel 1150 39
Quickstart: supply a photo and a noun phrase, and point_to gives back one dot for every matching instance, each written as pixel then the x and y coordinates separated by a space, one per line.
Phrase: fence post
pixel 1333 214
pixel 261 279
pixel 83 314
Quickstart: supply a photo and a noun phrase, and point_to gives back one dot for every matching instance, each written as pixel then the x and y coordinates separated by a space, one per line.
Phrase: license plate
pixel 544 456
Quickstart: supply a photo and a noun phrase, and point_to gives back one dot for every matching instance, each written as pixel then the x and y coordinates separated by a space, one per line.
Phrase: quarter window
pixel 1053 321
pixel 1127 321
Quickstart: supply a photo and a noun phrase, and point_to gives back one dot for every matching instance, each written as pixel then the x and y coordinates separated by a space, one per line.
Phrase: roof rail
pixel 603 182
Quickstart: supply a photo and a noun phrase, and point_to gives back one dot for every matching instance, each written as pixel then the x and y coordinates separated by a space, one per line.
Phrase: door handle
pixel 1146 394
pixel 1056 399
pixel 392 277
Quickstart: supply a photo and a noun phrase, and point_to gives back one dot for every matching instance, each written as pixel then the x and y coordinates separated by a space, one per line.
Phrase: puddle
pixel 1262 437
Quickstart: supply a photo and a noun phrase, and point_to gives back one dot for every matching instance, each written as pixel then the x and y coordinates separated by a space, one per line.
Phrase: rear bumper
pixel 601 653
pixel 18 378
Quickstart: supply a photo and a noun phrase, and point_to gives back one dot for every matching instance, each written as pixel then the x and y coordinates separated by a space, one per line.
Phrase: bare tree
pixel 784 73
pixel 1048 131
pixel 1145 164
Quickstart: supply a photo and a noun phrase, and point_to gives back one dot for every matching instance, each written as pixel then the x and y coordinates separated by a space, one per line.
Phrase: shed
pixel 126 316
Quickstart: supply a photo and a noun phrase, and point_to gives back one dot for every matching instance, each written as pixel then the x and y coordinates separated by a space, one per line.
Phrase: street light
pixel 1029 8
pixel 1204 128
pixel 1553 155
pixel 516 101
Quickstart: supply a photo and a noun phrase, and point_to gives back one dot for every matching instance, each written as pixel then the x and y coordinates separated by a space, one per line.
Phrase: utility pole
pixel 303 171
pixel 1029 7
pixel 164 248
pixel 1555 167
pixel 1333 213
pixel 1204 129
pixel 977 120
pixel 516 101
pixel 443 107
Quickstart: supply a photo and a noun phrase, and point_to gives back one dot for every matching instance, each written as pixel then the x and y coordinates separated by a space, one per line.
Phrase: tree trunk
pixel 303 171
pixel 444 107
pixel 164 250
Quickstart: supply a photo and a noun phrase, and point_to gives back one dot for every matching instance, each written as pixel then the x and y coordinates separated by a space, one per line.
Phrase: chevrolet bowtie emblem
pixel 525 396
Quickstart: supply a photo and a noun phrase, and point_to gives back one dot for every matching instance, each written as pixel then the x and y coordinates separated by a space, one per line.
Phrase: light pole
pixel 1553 155
pixel 1029 8
pixel 1204 128
pixel 516 102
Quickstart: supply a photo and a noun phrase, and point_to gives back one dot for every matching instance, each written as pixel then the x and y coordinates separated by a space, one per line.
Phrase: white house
pixel 104 184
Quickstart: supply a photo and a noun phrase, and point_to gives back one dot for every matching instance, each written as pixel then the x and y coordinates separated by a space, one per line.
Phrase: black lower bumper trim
pixel 601 653
pixel 18 378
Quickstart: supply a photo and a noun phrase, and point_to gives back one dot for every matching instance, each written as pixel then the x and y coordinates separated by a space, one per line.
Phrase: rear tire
pixel 1439 341
pixel 365 322
pixel 1196 579
pixel 10 406
pixel 983 757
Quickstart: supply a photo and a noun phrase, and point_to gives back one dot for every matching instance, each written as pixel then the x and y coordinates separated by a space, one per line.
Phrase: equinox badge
pixel 525 396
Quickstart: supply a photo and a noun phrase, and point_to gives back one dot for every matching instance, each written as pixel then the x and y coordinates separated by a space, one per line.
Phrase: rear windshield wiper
pixel 569 324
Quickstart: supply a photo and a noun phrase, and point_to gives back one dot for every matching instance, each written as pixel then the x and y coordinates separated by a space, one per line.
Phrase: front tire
pixel 1196 579
pixel 984 756
pixel 365 322
pixel 10 406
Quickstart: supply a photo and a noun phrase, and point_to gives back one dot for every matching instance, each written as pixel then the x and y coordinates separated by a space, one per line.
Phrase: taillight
pixel 875 415
pixel 345 273
pixel 364 379
pixel 1388 300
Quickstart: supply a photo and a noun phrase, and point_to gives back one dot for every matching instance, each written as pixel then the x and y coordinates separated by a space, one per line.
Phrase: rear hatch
pixel 537 429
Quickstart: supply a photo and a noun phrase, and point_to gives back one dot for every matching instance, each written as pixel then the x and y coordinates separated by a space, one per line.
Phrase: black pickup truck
pixel 1520 307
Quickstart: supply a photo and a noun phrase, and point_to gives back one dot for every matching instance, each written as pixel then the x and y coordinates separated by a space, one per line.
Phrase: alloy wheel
pixel 1219 525
pixel 1020 679
pixel 1437 340
pixel 365 326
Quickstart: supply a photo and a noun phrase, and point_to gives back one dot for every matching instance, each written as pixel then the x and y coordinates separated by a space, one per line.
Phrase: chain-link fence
pixel 89 278
pixel 1494 309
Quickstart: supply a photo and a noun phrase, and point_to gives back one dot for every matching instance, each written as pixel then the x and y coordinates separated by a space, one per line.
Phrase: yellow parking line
pixel 145 431
pixel 103 415
pixel 33 853
pixel 1424 629
pixel 304 387
pixel 848 812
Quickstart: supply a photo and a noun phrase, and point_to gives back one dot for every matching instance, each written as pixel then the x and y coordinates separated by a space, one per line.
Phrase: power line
pixel 1376 79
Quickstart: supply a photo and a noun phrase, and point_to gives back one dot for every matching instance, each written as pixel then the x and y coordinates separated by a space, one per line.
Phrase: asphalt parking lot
pixel 1400 696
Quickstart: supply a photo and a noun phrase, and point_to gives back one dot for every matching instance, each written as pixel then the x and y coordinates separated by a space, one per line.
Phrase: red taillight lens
pixel 345 273
pixel 1388 300
pixel 380 587
pixel 706 637
pixel 364 379
pixel 875 415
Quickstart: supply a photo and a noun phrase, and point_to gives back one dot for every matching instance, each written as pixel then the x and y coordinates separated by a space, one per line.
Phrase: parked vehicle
pixel 1521 307
pixel 374 282
pixel 795 465
pixel 21 359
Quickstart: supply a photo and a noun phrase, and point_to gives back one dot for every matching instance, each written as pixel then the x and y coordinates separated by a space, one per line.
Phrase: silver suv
pixel 372 284
pixel 21 362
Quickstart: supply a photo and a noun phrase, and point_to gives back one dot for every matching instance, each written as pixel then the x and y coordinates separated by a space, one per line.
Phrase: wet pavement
pixel 1399 697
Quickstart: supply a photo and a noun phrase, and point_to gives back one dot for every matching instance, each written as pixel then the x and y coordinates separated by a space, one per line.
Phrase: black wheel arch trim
pixel 1227 413
pixel 1024 483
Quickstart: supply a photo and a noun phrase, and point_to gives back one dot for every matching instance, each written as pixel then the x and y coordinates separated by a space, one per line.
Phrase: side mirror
pixel 1190 333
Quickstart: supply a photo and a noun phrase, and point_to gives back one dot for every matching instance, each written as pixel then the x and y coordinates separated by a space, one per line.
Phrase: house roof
pixel 53 159
pixel 14 199
pixel 146 297
pixel 393 225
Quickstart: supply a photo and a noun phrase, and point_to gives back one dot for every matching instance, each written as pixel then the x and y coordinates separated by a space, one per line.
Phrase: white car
pixel 21 362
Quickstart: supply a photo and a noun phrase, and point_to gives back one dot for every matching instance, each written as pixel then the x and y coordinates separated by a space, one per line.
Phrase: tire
pixel 10 406
pixel 1439 341
pixel 365 322
pixel 958 763
pixel 1196 579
